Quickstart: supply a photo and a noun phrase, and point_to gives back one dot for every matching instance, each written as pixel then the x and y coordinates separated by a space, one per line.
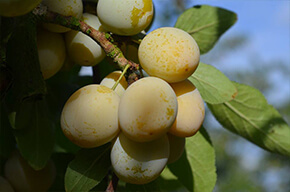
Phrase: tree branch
pixel 104 39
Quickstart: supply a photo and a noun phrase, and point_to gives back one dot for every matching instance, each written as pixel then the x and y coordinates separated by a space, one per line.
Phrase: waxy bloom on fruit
pixel 13 8
pixel 190 114
pixel 63 7
pixel 169 53
pixel 139 163
pixel 82 49
pixel 90 116
pixel 51 52
pixel 126 17
pixel 147 109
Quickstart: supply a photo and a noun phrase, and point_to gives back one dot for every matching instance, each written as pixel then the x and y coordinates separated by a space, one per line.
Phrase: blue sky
pixel 266 23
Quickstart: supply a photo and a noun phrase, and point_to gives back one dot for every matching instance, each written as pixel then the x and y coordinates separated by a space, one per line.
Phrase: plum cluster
pixel 146 122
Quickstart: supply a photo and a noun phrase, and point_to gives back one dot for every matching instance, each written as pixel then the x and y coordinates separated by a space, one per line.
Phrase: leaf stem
pixel 121 76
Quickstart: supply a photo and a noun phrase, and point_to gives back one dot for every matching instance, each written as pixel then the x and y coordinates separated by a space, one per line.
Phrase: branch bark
pixel 104 39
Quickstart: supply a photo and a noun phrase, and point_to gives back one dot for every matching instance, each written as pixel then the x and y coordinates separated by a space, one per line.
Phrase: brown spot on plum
pixel 169 113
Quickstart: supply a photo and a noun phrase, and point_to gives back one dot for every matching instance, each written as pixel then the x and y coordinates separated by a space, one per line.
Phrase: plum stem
pixel 121 76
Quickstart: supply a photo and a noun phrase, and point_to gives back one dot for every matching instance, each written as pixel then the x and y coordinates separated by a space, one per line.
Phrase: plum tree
pixel 112 78
pixel 176 147
pixel 139 163
pixel 13 8
pixel 90 116
pixel 191 112
pixel 5 186
pixel 147 109
pixel 25 179
pixel 82 49
pixel 133 127
pixel 51 52
pixel 127 17
pixel 66 8
pixel 169 53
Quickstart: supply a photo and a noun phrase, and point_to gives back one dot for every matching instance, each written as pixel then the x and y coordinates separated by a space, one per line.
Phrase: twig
pixel 104 39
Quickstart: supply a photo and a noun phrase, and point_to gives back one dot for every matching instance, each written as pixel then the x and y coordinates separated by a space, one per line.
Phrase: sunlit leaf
pixel 88 168
pixel 169 182
pixel 212 84
pixel 206 24
pixel 196 169
pixel 250 116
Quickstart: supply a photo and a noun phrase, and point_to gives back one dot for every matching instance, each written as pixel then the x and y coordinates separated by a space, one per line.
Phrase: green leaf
pixel 206 24
pixel 88 168
pixel 212 84
pixel 250 116
pixel 34 132
pixel 169 182
pixel 196 168
pixel 22 60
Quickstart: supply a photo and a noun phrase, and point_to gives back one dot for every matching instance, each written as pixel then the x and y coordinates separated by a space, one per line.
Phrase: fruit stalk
pixel 118 81
pixel 102 38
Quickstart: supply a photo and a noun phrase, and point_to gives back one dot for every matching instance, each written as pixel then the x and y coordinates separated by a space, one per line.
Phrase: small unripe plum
pixel 13 8
pixel 23 178
pixel 82 49
pixel 51 52
pixel 191 113
pixel 5 186
pixel 63 7
pixel 169 53
pixel 176 147
pixel 112 78
pixel 126 17
pixel 90 116
pixel 147 109
pixel 139 163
